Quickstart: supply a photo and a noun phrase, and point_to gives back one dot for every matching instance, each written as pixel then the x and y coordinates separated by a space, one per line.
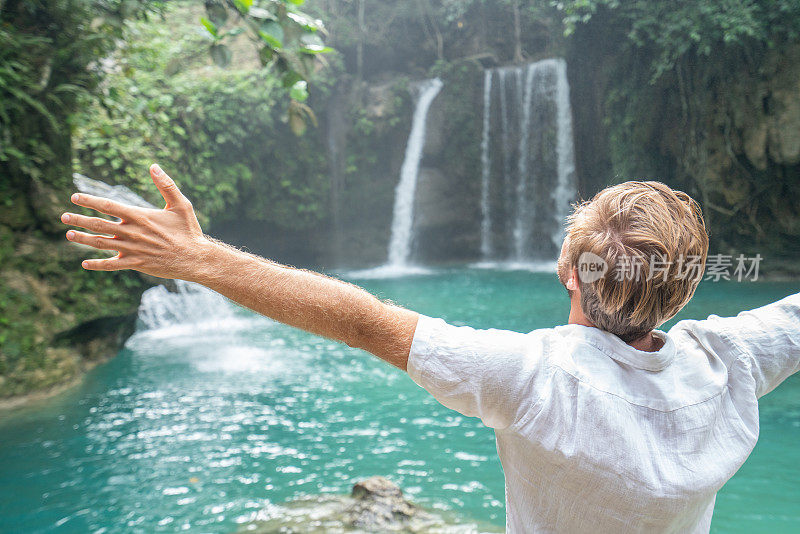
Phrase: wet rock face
pixel 58 320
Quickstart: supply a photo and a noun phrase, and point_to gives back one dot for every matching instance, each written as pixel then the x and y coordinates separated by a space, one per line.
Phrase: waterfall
pixel 525 201
pixel 486 221
pixel 504 128
pixel 564 193
pixel 403 218
pixel 190 304
pixel 120 193
pixel 523 215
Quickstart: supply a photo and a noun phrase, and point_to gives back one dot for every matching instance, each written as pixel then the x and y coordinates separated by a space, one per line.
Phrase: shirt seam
pixel 578 379
pixel 742 356
pixel 747 361
pixel 726 337
pixel 521 415
pixel 625 360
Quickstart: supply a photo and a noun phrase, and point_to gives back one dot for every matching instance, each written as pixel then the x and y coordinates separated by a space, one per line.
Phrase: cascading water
pixel 486 222
pixel 191 304
pixel 526 196
pixel 521 224
pixel 505 143
pixel 401 240
pixel 120 193
pixel 565 191
pixel 403 218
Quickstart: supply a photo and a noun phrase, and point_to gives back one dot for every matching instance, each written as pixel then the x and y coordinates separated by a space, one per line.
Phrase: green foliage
pixel 222 133
pixel 684 84
pixel 288 42
pixel 389 29
pixel 668 31
pixel 43 293
pixel 408 36
pixel 50 64
pixel 54 53
pixel 18 82
pixel 48 54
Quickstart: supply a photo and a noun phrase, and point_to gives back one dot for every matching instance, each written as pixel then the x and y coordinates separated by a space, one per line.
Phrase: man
pixel 604 424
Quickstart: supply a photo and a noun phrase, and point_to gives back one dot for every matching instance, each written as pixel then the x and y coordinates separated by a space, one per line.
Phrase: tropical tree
pixel 55 53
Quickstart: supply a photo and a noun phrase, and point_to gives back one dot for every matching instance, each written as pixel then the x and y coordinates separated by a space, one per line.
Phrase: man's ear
pixel 572 280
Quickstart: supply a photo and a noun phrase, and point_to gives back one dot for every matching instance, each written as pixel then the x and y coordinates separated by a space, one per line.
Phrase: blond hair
pixel 636 223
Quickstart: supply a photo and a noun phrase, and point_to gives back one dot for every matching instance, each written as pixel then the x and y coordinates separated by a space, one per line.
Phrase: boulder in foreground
pixel 374 505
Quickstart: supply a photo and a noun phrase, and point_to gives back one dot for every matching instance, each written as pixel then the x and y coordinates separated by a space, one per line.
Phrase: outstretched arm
pixel 169 243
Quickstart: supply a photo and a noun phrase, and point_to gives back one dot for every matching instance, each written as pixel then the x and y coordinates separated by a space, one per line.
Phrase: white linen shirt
pixel 597 436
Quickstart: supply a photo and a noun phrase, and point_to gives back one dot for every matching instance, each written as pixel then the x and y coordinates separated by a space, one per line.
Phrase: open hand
pixel 166 243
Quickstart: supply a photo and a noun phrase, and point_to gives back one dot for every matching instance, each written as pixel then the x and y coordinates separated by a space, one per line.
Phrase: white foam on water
pixel 389 271
pixel 531 266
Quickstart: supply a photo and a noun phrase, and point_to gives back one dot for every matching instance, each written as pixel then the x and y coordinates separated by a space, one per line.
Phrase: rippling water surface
pixel 208 416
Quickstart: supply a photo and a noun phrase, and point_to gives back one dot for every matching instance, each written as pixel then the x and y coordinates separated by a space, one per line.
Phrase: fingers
pixel 94 224
pixel 166 187
pixel 107 264
pixel 95 241
pixel 104 205
pixel 116 263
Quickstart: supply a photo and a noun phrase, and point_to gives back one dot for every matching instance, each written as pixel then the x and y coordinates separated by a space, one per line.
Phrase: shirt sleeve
pixel 479 373
pixel 766 338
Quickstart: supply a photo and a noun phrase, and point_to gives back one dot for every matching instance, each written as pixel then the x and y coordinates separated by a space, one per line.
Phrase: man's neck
pixel 646 343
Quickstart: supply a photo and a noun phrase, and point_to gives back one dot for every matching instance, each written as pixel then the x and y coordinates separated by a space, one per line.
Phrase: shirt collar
pixel 620 351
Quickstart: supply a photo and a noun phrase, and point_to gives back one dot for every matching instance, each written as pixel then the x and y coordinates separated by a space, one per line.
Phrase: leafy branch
pixel 288 41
